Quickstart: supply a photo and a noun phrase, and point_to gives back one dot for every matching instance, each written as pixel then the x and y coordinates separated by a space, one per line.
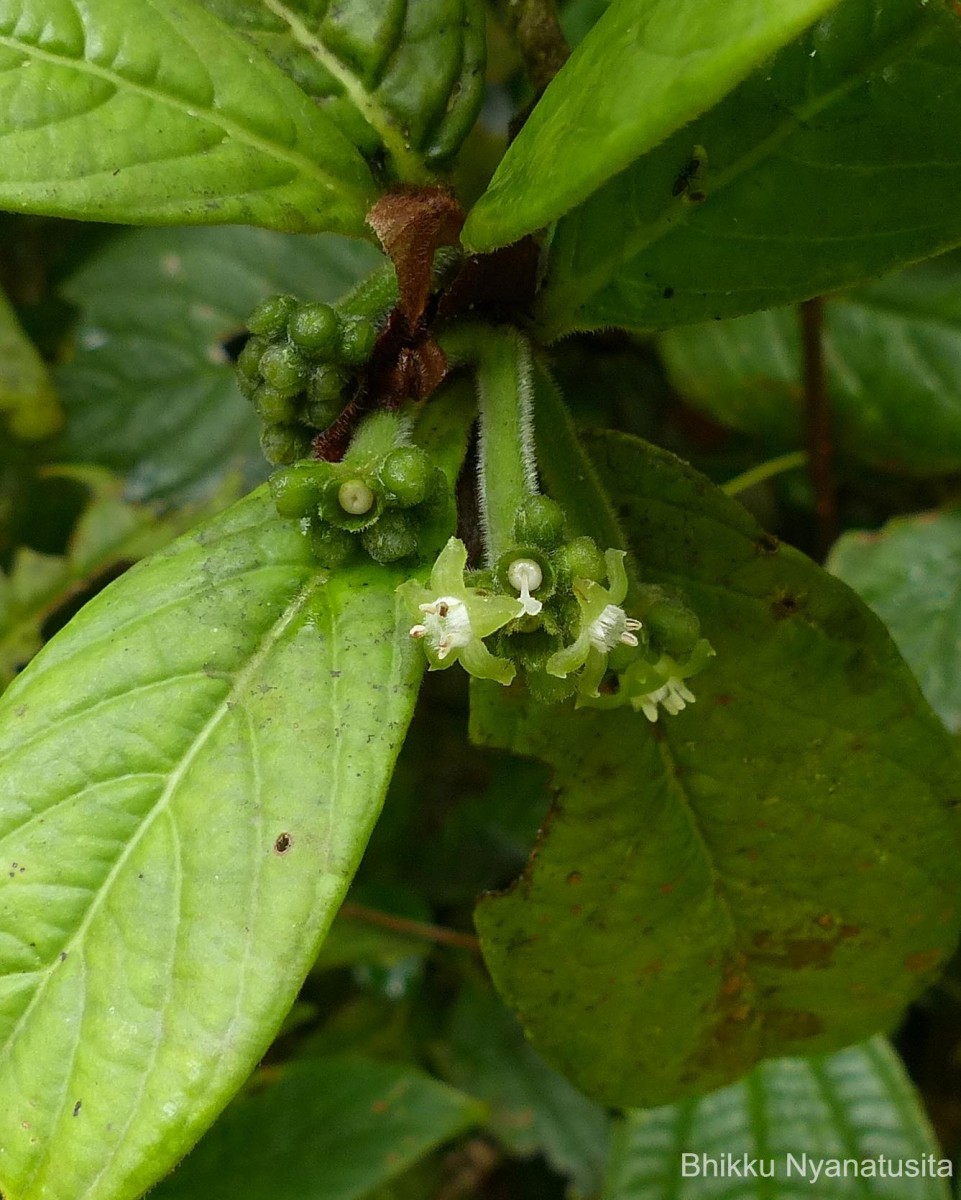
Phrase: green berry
pixel 325 384
pixel 407 472
pixel 391 538
pixel 332 547
pixel 296 489
pixel 248 387
pixel 270 317
pixel 315 328
pixel 321 414
pixel 584 560
pixel 438 494
pixel 357 340
pixel 284 443
pixel 284 368
pixel 671 625
pixel 276 408
pixel 541 521
pixel 248 360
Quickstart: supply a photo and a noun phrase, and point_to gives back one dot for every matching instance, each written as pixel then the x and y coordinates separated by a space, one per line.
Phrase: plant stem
pixel 817 410
pixel 417 929
pixel 507 471
pixel 764 471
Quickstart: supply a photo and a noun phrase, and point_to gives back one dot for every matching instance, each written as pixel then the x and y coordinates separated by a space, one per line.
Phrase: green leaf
pixel 109 535
pixel 148 113
pixel 403 76
pixel 27 397
pixel 193 768
pixel 151 391
pixel 771 871
pixel 533 1110
pixel 645 69
pixel 858 1104
pixel 321 1129
pixel 825 168
pixel 910 574
pixel 892 353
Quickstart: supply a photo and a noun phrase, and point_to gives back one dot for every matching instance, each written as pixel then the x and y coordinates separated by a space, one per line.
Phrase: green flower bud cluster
pixel 297 367
pixel 382 499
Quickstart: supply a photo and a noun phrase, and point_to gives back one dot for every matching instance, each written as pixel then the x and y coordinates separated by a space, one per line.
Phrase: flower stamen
pixel 613 627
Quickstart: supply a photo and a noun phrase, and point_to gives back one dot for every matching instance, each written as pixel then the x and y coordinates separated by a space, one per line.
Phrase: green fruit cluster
pixel 382 504
pixel 297 368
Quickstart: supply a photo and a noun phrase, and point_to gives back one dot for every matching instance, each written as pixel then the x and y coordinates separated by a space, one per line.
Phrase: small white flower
pixel 673 695
pixel 455 618
pixel 612 627
pixel 526 575
pixel 446 625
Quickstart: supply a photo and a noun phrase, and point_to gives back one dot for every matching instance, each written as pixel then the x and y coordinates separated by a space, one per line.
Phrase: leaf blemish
pixel 785 604
pixel 283 843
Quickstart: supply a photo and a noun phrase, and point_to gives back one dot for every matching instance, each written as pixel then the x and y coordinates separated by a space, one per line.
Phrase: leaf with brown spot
pixel 753 810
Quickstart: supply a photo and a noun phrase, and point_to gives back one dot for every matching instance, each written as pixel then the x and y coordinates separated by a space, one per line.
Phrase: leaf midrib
pixel 585 286
pixel 409 165
pixel 301 163
pixel 243 677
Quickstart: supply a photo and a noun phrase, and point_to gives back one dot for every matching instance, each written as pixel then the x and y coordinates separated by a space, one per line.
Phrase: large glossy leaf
pixel 401 76
pixel 157 113
pixel 909 572
pixel 150 391
pixel 189 774
pixel 771 871
pixel 856 1105
pixel 321 1129
pixel 645 69
pixel 28 403
pixel 834 163
pixel 892 353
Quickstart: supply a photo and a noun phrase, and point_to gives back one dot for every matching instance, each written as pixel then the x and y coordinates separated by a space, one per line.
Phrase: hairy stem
pixel 507 471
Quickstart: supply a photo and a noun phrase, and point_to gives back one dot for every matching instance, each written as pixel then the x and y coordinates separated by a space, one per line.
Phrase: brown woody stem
pixel 817 410
pixel 404 925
